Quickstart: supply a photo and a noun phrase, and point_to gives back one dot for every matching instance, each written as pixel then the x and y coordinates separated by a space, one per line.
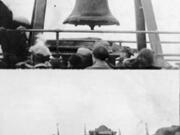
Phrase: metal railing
pixel 58 31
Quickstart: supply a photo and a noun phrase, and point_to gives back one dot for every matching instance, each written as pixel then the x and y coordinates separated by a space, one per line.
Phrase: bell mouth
pixel 91 21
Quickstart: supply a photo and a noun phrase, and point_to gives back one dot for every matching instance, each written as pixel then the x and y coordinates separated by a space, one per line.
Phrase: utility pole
pixel 119 132
pixel 85 132
pixel 58 133
pixel 179 92
pixel 146 128
pixel 178 64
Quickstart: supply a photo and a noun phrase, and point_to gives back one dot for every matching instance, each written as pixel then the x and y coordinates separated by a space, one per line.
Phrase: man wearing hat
pixel 100 55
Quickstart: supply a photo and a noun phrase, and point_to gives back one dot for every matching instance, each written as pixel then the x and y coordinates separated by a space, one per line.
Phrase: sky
pixel 33 102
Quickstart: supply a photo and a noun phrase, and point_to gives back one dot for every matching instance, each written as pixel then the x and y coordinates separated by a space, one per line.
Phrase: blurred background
pixel 32 102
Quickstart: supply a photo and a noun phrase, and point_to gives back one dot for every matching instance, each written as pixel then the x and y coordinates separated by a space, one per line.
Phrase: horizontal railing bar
pixel 172 60
pixel 66 47
pixel 96 31
pixel 169 55
pixel 120 41
pixel 162 42
pixel 79 39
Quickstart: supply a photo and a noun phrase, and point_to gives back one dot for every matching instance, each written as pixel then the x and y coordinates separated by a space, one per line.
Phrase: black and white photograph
pixel 89 67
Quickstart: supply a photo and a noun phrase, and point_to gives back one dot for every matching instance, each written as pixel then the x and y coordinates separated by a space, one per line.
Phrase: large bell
pixel 92 13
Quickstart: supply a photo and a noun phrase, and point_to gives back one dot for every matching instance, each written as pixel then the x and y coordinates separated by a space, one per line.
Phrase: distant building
pixel 102 130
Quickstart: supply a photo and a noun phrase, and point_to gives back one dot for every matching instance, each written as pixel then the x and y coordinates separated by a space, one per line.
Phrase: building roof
pixel 103 130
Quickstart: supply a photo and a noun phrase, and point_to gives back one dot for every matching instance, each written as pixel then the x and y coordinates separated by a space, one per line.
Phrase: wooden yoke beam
pixel 152 26
pixel 38 18
pixel 140 25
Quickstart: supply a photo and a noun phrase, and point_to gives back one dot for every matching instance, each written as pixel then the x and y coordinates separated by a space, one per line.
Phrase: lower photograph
pixel 90 103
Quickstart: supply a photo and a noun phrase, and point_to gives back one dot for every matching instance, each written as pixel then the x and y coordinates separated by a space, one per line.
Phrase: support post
pixel 38 18
pixel 152 26
pixel 140 25
pixel 57 42
pixel 179 93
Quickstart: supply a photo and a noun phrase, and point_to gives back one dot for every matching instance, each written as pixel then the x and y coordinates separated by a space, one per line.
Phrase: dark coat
pixel 137 64
pixel 99 65
pixel 14 47
pixel 6 16
pixel 14 44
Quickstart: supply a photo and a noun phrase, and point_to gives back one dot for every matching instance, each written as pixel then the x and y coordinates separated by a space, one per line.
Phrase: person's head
pixel 172 130
pixel 39 58
pixel 58 63
pixel 126 52
pixel 87 60
pixel 86 56
pixel 75 62
pixel 104 43
pixel 101 53
pixel 40 53
pixel 146 57
pixel 116 47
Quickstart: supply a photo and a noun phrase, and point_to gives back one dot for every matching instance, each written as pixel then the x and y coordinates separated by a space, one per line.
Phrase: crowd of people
pixel 17 54
pixel 100 56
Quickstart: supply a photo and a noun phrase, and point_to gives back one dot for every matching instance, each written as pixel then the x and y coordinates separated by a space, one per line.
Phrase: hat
pixel 84 51
pixel 102 43
pixel 40 48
